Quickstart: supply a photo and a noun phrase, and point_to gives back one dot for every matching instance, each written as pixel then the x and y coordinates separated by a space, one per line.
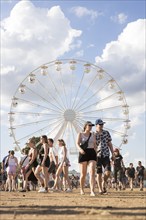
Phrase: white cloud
pixel 127 158
pixel 82 12
pixel 124 59
pixel 32 36
pixel 7 69
pixel 119 18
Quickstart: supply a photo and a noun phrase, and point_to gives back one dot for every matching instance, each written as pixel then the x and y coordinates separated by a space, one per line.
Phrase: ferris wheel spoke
pixel 65 95
pixel 40 97
pixel 58 93
pixel 107 119
pixel 71 89
pixel 102 109
pixel 59 133
pixel 51 96
pixel 35 113
pixel 116 132
pixel 32 123
pixel 94 94
pixel 79 123
pixel 100 101
pixel 77 126
pixel 36 105
pixel 33 133
pixel 37 131
pixel 78 90
pixel 86 90
pixel 74 138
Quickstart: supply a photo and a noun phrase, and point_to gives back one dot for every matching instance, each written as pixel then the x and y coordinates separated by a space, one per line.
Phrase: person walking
pixel 104 147
pixel 131 175
pixel 12 163
pixel 87 157
pixel 43 165
pixel 24 161
pixel 31 166
pixel 63 165
pixel 53 155
pixel 140 174
pixel 118 166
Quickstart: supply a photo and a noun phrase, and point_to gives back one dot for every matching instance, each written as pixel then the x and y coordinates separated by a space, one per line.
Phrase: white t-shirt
pixel 61 154
pixel 53 152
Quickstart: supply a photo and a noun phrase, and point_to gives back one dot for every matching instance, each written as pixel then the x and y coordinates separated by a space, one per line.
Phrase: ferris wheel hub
pixel 69 115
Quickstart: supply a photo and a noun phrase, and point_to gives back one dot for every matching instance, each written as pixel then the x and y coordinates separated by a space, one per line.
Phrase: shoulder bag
pixel 85 144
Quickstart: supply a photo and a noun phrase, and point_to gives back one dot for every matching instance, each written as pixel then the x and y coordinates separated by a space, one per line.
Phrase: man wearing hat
pixel 104 147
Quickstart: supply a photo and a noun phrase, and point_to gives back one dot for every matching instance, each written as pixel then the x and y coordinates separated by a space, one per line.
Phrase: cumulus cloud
pixel 82 12
pixel 7 69
pixel 120 18
pixel 124 59
pixel 32 36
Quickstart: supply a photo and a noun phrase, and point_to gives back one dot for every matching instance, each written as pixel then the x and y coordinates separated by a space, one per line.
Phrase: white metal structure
pixel 58 97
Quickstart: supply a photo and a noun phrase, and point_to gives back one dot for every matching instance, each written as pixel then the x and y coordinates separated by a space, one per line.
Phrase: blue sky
pixel 110 34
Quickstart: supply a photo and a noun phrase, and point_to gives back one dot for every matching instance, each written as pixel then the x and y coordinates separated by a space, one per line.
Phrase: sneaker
pixel 22 190
pixel 42 190
pixel 53 190
pixel 92 194
pixel 69 190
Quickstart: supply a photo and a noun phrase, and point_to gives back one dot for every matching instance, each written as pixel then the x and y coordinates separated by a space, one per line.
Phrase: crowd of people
pixel 48 166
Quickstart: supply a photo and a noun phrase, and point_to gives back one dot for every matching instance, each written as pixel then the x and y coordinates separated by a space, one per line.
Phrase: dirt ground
pixel 125 205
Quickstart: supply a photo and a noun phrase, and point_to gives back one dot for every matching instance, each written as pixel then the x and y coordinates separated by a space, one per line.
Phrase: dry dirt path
pixel 125 205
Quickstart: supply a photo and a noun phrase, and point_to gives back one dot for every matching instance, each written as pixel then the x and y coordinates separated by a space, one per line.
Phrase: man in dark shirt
pixel 118 166
pixel 131 175
pixel 140 174
pixel 104 146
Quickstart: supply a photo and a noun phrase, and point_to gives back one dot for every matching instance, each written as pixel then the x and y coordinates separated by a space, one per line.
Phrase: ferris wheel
pixel 58 97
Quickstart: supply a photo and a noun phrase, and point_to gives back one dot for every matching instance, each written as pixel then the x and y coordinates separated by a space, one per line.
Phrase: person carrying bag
pixel 85 144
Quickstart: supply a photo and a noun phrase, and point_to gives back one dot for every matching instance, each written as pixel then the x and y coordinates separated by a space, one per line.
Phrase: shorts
pixel 118 174
pixel 52 168
pixel 11 170
pixel 27 168
pixel 105 162
pixel 89 155
pixel 140 178
pixel 40 159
